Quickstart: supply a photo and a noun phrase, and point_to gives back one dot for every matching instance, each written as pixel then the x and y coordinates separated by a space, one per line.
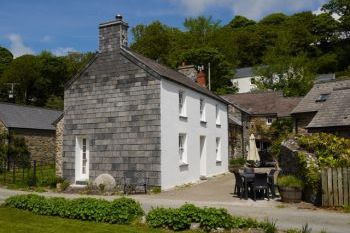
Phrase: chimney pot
pixel 119 17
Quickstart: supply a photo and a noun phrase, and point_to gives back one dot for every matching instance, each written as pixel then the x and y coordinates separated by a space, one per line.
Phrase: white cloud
pixel 46 39
pixel 17 46
pixel 319 11
pixel 254 9
pixel 62 51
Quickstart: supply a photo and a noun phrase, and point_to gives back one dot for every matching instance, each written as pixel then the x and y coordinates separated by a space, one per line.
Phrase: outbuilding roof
pixel 27 117
pixel 244 72
pixel 317 96
pixel 263 103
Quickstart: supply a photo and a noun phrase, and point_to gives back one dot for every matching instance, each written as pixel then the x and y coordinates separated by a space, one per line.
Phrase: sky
pixel 59 26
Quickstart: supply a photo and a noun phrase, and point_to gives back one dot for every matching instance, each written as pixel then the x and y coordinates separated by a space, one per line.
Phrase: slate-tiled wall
pixel 116 105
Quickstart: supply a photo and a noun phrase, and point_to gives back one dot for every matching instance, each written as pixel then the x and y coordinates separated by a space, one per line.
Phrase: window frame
pixel 182 103
pixel 217 115
pixel 202 116
pixel 182 148
pixel 218 149
pixel 267 120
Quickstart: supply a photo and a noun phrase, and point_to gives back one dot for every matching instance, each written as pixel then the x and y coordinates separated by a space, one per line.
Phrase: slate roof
pixel 263 103
pixel 325 78
pixel 171 74
pixel 309 104
pixel 244 72
pixel 27 117
pixel 335 110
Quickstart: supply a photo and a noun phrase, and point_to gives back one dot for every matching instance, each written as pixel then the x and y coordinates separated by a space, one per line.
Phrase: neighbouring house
pixel 34 124
pixel 254 113
pixel 325 108
pixel 125 114
pixel 243 79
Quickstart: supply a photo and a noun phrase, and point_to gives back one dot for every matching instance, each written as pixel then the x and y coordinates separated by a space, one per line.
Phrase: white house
pixel 126 114
pixel 243 79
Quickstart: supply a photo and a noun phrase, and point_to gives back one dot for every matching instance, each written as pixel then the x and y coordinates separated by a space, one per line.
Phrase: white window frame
pixel 182 103
pixel 82 155
pixel 217 113
pixel 268 120
pixel 202 110
pixel 182 142
pixel 218 149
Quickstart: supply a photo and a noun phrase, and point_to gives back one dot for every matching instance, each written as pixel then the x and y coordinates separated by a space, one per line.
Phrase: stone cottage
pixel 34 124
pixel 126 114
pixel 254 113
pixel 325 108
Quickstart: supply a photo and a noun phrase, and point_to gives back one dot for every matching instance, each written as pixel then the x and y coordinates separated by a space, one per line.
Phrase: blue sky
pixel 30 26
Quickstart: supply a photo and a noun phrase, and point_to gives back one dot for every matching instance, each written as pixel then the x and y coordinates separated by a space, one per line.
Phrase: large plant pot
pixel 290 194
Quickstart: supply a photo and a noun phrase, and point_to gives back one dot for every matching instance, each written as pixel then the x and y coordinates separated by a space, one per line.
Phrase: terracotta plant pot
pixel 290 194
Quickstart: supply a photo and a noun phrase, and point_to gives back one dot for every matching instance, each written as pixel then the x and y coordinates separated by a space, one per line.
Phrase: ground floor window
pixel 182 148
pixel 218 149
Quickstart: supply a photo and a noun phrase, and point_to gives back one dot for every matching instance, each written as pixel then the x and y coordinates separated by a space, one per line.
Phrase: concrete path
pixel 217 192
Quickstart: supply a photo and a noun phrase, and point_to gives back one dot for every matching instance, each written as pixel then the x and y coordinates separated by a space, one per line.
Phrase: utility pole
pixel 209 81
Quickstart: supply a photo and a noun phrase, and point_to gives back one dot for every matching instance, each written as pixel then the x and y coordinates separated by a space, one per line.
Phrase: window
pixel 202 110
pixel 322 98
pixel 182 111
pixel 182 149
pixel 84 157
pixel 218 150
pixel 217 115
pixel 269 120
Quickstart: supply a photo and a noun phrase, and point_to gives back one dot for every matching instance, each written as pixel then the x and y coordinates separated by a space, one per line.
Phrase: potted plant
pixel 290 188
pixel 236 163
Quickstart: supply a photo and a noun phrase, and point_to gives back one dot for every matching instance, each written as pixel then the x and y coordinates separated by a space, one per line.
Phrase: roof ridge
pixel 31 106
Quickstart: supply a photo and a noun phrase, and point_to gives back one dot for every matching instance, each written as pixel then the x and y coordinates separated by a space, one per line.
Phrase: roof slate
pixel 244 72
pixel 335 111
pixel 171 74
pixel 264 103
pixel 309 103
pixel 27 117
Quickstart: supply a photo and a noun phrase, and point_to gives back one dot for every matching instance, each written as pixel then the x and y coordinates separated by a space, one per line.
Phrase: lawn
pixel 19 221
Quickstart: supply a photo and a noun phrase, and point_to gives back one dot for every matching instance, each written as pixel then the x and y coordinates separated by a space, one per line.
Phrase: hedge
pixel 120 211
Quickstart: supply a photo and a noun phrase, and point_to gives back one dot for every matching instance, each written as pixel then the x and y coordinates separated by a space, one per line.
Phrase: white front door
pixel 203 156
pixel 81 159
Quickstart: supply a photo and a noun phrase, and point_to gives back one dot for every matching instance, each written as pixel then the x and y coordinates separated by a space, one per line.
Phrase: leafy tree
pixel 274 19
pixel 55 102
pixel 6 58
pixel 240 22
pixel 221 73
pixel 341 8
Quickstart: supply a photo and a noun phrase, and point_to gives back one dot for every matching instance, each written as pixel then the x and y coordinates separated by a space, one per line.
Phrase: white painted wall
pixel 244 84
pixel 172 174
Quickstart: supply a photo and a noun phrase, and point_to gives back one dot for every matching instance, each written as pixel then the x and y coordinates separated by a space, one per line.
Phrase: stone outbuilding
pixel 325 108
pixel 34 124
pixel 126 114
pixel 253 113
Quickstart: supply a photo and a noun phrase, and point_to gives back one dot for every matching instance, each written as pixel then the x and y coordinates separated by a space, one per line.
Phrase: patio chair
pixel 239 185
pixel 260 183
pixel 271 182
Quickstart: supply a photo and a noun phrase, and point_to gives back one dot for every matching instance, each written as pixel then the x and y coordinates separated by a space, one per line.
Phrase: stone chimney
pixel 188 70
pixel 113 35
pixel 201 80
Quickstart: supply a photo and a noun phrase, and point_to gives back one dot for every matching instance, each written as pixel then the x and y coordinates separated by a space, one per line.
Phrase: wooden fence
pixel 335 186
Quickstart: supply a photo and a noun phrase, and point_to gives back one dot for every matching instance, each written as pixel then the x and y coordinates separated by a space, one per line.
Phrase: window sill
pixel 183 117
pixel 218 125
pixel 202 122
pixel 218 162
pixel 183 164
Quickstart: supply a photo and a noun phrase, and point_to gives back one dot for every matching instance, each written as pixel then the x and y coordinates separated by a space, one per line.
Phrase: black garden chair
pixel 139 182
pixel 260 184
pixel 239 185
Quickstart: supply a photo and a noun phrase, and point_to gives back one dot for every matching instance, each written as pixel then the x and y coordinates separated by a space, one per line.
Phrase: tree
pixel 240 22
pixel 220 69
pixel 275 19
pixel 6 58
pixel 341 8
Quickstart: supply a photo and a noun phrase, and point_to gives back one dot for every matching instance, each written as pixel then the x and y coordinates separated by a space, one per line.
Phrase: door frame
pixel 79 176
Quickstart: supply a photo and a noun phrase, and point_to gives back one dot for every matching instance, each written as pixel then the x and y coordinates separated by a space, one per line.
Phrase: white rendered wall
pixel 172 174
pixel 244 84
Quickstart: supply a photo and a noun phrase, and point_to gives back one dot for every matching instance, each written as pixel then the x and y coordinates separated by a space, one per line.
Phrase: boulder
pixel 107 180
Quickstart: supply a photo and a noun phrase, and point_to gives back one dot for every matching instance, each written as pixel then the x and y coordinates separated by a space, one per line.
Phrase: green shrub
pixel 191 212
pixel 290 181
pixel 160 217
pixel 239 223
pixel 121 211
pixel 213 218
pixel 237 162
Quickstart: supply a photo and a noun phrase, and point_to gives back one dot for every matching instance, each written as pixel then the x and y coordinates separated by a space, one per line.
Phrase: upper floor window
pixel 182 104
pixel 182 149
pixel 217 114
pixel 202 110
pixel 269 120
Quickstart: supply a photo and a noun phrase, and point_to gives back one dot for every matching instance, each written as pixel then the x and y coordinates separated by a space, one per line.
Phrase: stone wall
pixel 40 143
pixel 59 146
pixel 115 104
pixel 301 121
pixel 235 141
